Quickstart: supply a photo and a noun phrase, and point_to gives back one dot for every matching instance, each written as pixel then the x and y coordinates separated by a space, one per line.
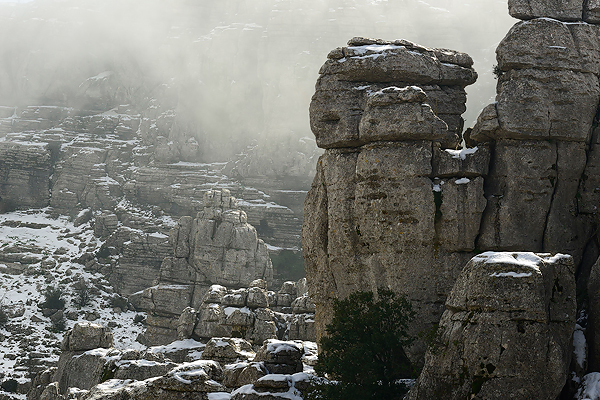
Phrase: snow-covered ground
pixel 51 247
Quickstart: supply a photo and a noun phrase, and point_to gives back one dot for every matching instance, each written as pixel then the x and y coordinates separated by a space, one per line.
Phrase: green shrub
pixel 497 71
pixel 10 385
pixel 54 298
pixel 363 351
pixel 118 301
pixel 82 297
pixel 288 264
pixel 59 325
pixel 139 319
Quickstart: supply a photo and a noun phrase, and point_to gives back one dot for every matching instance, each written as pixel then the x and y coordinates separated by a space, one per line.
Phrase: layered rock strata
pixel 217 247
pixel 390 205
pixel 507 329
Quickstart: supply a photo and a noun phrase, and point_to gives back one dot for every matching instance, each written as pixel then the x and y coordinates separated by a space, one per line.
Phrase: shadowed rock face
pixel 507 328
pixel 393 205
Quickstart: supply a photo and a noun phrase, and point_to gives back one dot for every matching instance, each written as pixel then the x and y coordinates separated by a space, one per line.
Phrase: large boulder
pixel 507 329
pixel 87 336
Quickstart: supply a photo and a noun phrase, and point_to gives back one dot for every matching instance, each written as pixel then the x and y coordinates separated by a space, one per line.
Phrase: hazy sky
pixel 235 68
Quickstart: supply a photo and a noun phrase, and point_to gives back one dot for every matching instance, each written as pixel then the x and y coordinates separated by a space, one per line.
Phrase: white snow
pixel 590 387
pixel 219 396
pixel 511 274
pixel 185 344
pixel 230 310
pixel 378 48
pixel 275 346
pixel 437 187
pixel 462 153
pixel 526 259
pixel 56 242
pixel 462 181
pixel 579 345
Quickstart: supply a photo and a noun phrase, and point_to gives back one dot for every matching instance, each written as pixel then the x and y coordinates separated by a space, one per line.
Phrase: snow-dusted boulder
pixel 281 357
pixel 507 329
pixel 87 336
pixel 228 349
pixel 274 387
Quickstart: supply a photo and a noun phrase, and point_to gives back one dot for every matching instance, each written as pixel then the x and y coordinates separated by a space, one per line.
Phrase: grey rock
pixel 257 298
pixel 186 323
pixel 593 334
pixel 25 174
pixel 281 357
pixel 591 11
pixel 508 324
pixel 227 350
pixel 87 336
pixel 568 10
pixel 244 373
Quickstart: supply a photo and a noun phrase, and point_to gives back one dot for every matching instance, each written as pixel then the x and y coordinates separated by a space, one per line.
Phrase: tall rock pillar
pixel 387 197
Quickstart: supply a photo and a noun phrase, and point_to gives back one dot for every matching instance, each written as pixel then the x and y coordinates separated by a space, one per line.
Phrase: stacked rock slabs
pixel 384 112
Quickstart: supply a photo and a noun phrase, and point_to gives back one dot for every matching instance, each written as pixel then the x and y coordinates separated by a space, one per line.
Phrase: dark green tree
pixel 364 348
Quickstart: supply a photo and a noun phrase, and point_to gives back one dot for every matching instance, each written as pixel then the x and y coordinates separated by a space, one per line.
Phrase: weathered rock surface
pixel 274 387
pixel 249 313
pixel 542 135
pixel 175 371
pixel 25 171
pixel 384 137
pixel 352 74
pixel 87 336
pixel 508 327
pixel 593 336
pixel 568 10
pixel 218 247
pixel 392 205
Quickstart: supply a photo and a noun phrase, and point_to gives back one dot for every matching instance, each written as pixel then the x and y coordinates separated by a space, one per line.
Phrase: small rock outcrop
pixel 507 329
pixel 253 314
pixel 217 247
pixel 220 246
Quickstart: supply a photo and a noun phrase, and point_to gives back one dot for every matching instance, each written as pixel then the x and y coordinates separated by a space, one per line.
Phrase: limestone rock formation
pixel 217 247
pixel 593 288
pixel 249 313
pixel 184 369
pixel 507 328
pixel 543 136
pixel 25 171
pixel 386 112
pixel 392 205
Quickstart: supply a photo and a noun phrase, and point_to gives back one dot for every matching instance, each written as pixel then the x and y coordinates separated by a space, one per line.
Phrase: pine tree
pixel 364 348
